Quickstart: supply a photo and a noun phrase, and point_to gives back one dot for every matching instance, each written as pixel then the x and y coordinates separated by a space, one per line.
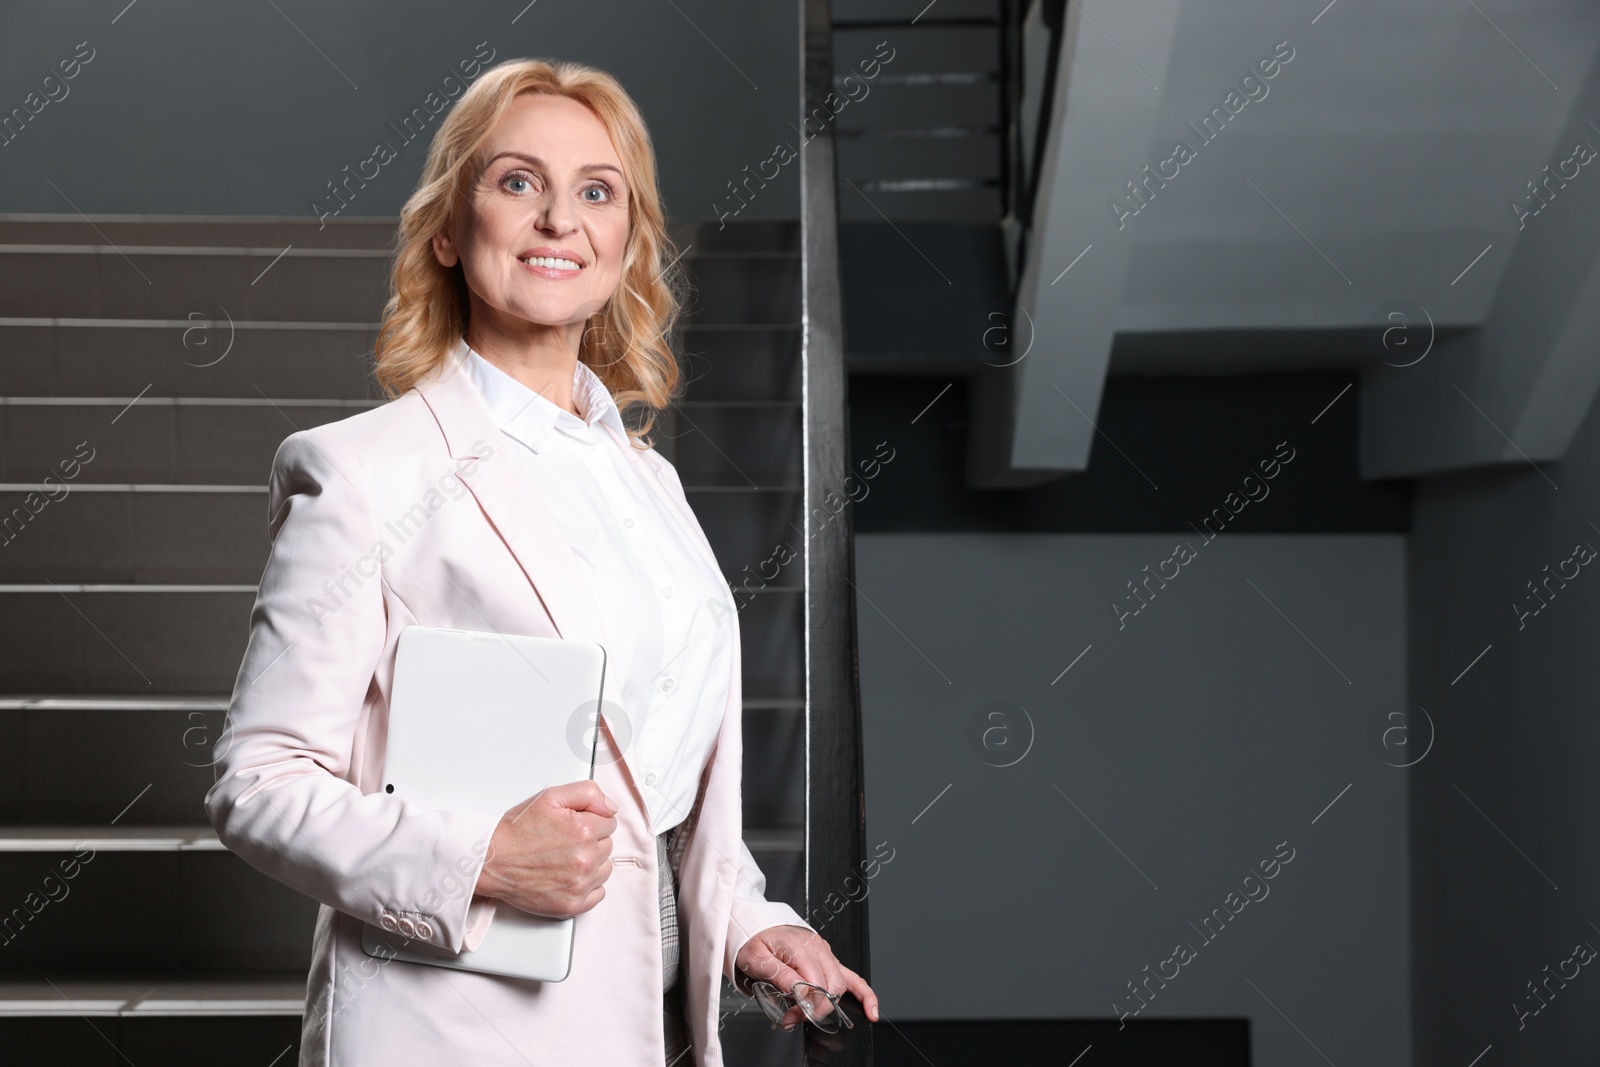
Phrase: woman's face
pixel 544 239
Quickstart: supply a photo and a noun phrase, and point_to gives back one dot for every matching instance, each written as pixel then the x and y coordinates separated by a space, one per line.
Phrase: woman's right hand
pixel 550 855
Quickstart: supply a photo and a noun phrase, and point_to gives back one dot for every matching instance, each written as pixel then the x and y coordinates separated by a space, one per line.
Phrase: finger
pixel 821 1006
pixel 812 957
pixel 601 826
pixel 582 796
pixel 767 967
pixel 813 961
pixel 863 992
pixel 596 895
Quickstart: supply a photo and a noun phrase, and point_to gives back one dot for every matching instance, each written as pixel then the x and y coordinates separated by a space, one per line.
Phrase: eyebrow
pixel 535 161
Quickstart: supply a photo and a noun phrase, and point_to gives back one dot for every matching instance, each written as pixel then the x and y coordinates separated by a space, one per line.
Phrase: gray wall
pixel 1518 738
pixel 1196 740
pixel 191 107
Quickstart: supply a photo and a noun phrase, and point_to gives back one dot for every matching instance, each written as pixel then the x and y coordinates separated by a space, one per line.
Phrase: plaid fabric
pixel 673 1024
pixel 669 910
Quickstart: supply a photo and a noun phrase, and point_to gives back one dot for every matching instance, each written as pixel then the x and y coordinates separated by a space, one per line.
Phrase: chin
pixel 563 314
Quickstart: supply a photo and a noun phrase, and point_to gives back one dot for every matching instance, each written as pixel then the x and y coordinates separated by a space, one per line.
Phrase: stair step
pixel 927 46
pixel 149 535
pixel 184 487
pixel 738 445
pixel 170 642
pixel 107 703
pixel 114 534
pixel 192 230
pixel 42 357
pixel 774 703
pixel 976 157
pixel 194 996
pixel 199 995
pixel 738 291
pixel 191 639
pixel 109 839
pixel 70 760
pixel 918 104
pixel 196 838
pixel 742 362
pixel 186 357
pixel 975 206
pixel 744 235
pixel 139 442
pixel 220 701
pixel 135 487
pixel 158 532
pixel 105 281
pixel 159 908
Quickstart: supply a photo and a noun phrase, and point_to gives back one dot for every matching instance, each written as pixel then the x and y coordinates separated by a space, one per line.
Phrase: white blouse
pixel 667 616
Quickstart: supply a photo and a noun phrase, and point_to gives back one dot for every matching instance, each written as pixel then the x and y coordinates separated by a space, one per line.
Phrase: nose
pixel 556 215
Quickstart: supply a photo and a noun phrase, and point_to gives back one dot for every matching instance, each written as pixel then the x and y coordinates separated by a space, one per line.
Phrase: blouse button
pixel 628 523
pixel 668 684
pixel 667 591
pixel 650 779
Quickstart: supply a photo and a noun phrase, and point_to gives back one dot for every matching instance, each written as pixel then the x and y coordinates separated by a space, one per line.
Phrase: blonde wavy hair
pixel 626 342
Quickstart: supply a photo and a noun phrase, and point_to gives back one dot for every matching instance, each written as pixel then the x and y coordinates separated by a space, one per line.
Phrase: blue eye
pixel 605 189
pixel 509 182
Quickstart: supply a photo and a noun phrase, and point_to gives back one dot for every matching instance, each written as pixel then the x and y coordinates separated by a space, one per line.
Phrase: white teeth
pixel 550 261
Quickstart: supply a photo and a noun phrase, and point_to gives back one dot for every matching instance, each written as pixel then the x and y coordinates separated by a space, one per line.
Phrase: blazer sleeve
pixel 752 911
pixel 284 800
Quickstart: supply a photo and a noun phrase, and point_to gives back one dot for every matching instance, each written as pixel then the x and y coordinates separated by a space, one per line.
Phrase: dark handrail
pixel 835 828
pixel 1025 169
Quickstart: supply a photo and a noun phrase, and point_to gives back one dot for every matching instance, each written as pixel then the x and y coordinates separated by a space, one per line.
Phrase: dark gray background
pixel 201 108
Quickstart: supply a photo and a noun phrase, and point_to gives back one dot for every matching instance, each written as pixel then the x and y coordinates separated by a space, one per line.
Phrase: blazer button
pixel 388 923
pixel 408 928
pixel 424 929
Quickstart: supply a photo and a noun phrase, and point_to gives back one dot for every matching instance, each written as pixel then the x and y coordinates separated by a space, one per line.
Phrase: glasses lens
pixel 819 1009
pixel 773 1003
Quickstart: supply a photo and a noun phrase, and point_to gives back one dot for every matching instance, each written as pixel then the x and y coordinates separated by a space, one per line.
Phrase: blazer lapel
pixel 512 503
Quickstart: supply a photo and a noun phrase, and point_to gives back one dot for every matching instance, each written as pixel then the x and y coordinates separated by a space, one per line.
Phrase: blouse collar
pixel 528 416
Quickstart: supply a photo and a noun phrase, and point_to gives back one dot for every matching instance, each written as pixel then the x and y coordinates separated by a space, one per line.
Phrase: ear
pixel 444 249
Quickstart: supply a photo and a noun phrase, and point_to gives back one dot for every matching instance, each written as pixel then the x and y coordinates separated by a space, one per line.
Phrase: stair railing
pixel 835 824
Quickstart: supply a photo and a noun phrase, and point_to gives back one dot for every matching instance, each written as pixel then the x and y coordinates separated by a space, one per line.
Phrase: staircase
pixel 149 367
pixel 927 142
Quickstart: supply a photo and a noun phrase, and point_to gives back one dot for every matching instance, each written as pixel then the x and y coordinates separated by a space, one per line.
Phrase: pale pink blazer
pixel 416 513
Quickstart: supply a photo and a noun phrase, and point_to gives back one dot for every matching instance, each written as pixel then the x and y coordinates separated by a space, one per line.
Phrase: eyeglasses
pixel 776 1004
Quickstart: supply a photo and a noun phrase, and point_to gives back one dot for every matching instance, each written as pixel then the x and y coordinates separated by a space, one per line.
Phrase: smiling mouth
pixel 550 262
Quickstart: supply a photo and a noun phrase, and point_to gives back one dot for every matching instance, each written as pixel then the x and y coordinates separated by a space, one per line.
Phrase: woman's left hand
pixel 784 955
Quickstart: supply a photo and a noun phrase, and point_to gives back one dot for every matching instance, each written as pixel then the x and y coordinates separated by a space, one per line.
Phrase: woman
pixel 502 491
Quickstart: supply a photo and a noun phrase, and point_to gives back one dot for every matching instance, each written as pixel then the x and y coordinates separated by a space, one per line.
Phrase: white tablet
pixel 480 722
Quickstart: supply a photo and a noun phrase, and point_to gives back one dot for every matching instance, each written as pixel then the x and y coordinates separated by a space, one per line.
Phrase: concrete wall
pixel 1505 822
pixel 1172 759
pixel 191 107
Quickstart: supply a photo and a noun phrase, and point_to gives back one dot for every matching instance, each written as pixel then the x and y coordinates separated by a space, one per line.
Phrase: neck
pixel 543 358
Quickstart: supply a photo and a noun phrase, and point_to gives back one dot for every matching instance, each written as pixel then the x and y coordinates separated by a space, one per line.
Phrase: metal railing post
pixel 835 825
